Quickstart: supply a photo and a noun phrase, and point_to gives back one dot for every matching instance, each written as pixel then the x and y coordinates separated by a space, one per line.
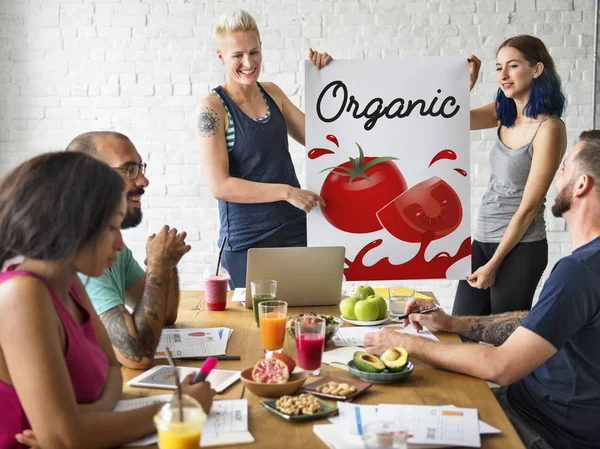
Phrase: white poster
pixel 388 150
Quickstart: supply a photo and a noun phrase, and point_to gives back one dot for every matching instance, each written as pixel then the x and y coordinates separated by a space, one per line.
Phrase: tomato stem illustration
pixel 359 167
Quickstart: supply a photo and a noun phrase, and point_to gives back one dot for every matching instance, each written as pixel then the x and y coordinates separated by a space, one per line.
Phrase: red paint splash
pixel 383 270
pixel 318 152
pixel 461 171
pixel 333 139
pixel 444 154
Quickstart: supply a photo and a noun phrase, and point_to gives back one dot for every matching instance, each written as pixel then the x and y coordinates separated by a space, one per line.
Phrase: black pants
pixel 516 279
pixel 235 262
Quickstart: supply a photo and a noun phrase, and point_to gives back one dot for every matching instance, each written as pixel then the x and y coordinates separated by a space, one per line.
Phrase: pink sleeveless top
pixel 87 365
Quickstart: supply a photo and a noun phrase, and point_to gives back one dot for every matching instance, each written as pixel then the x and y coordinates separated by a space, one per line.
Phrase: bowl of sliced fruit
pixel 273 376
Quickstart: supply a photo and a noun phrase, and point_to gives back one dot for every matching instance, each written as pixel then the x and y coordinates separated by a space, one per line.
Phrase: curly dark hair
pixel 55 203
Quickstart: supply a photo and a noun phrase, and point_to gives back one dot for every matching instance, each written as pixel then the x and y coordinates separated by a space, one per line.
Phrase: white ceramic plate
pixel 365 323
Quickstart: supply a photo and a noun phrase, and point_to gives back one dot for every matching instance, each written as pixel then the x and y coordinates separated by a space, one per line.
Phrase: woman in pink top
pixel 62 213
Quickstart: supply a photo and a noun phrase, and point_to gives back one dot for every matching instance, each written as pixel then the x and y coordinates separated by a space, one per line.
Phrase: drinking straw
pixel 220 254
pixel 177 382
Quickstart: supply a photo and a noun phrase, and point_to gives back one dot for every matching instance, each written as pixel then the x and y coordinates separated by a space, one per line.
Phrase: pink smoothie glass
pixel 310 342
pixel 215 288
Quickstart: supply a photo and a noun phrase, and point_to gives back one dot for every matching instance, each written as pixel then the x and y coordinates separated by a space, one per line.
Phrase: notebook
pixel 305 276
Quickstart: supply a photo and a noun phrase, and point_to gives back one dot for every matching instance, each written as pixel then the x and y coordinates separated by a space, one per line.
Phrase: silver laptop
pixel 305 276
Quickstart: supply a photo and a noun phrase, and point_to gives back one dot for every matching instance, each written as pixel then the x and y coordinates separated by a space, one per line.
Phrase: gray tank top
pixel 509 172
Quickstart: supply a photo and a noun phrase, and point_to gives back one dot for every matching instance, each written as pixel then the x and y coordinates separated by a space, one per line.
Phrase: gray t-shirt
pixel 509 172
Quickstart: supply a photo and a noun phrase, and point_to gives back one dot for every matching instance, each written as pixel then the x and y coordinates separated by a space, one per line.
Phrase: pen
pixel 205 370
pixel 218 357
pixel 431 309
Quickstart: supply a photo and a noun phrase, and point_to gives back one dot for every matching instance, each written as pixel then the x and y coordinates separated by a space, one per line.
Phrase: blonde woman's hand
pixel 304 199
pixel 319 60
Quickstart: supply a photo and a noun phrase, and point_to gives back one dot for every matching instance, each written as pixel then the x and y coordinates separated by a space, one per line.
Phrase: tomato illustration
pixel 431 206
pixel 354 191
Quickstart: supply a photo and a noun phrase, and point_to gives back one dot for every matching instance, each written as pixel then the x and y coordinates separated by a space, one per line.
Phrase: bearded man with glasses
pixel 152 294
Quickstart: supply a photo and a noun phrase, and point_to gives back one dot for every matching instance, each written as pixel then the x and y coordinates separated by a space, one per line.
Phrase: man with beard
pixel 153 294
pixel 548 357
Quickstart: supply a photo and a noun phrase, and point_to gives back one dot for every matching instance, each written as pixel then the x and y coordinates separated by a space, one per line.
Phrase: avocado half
pixel 367 362
pixel 395 359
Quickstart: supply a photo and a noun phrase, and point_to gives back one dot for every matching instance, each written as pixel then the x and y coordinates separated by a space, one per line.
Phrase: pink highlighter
pixel 205 370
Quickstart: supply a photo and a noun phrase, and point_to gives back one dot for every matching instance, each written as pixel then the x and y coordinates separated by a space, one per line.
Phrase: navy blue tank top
pixel 261 154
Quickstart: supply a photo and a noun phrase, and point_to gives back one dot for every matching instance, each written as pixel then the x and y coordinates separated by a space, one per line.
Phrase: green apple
pixel 366 310
pixel 363 292
pixel 347 307
pixel 381 304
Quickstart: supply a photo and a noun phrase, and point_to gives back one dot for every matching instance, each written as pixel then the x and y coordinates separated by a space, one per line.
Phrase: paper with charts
pixel 388 150
pixel 355 336
pixel 429 425
pixel 346 428
pixel 193 342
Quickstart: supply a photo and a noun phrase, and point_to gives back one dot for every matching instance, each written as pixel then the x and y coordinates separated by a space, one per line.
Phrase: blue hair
pixel 546 97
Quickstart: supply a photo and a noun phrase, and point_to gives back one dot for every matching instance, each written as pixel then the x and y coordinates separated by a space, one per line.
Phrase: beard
pixel 133 217
pixel 562 202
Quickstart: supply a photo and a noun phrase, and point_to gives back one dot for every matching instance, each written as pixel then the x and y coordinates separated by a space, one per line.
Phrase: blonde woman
pixel 242 130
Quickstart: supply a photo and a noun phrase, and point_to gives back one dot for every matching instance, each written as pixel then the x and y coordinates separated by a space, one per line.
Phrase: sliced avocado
pixel 395 359
pixel 367 362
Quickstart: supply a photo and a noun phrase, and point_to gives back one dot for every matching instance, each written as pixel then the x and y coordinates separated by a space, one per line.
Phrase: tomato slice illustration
pixel 431 207
pixel 354 191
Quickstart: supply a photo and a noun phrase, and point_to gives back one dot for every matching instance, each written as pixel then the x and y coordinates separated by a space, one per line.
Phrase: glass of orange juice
pixel 176 431
pixel 272 317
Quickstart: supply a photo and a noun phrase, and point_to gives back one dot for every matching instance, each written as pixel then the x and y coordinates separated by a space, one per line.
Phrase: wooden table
pixel 425 386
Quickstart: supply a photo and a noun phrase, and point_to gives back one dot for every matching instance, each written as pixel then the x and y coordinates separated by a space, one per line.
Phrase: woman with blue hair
pixel 510 250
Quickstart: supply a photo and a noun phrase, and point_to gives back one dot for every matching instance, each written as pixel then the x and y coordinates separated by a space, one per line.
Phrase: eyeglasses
pixel 132 170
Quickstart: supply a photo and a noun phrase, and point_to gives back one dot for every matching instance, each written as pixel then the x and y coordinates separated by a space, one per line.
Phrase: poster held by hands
pixel 388 150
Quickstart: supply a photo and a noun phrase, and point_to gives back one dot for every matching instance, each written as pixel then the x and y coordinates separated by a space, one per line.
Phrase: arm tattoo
pixel 138 339
pixel 132 346
pixel 207 122
pixel 494 329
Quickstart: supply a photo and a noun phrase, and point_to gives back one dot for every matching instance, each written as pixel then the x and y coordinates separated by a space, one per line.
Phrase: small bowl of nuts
pixel 303 407
pixel 336 388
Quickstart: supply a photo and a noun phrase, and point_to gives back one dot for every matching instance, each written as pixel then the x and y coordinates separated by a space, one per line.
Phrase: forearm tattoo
pixel 138 339
pixel 207 122
pixel 494 329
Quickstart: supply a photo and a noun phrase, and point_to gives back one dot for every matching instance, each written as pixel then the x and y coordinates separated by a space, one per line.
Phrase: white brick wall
pixel 139 67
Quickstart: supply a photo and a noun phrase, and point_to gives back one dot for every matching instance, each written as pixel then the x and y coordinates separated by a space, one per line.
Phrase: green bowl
pixel 326 411
pixel 330 330
pixel 384 377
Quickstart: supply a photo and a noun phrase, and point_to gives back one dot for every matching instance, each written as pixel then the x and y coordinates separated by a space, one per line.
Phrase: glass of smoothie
pixel 272 317
pixel 175 432
pixel 310 342
pixel 262 290
pixel 215 288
